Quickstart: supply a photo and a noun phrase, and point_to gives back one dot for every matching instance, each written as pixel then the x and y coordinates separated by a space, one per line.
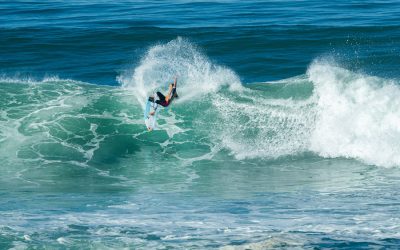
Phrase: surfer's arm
pixel 171 87
pixel 169 93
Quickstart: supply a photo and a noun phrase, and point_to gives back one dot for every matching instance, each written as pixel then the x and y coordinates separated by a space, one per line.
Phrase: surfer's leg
pixel 161 96
pixel 162 103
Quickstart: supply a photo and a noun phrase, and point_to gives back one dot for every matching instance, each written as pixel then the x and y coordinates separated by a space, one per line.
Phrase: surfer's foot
pixel 151 98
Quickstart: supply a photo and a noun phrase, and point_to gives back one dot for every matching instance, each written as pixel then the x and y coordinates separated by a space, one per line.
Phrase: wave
pixel 329 111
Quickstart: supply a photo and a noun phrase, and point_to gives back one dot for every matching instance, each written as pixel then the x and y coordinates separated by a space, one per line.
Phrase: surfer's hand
pixel 152 113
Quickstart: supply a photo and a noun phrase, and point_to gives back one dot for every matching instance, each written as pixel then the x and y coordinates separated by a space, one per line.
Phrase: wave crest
pixel 358 116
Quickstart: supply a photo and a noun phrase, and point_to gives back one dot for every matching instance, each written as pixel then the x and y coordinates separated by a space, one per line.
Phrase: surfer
pixel 165 101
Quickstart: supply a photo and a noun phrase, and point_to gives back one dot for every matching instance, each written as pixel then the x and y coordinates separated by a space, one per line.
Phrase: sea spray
pixel 196 74
pixel 264 128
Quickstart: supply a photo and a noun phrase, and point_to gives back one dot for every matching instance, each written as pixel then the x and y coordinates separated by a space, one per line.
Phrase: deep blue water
pixel 95 41
pixel 285 135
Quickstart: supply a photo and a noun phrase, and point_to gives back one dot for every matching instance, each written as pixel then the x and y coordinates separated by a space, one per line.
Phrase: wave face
pixel 54 125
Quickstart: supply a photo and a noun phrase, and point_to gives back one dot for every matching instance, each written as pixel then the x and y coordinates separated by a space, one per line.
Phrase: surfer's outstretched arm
pixel 169 93
pixel 171 87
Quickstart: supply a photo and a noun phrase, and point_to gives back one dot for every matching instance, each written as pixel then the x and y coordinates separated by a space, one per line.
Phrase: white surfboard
pixel 150 115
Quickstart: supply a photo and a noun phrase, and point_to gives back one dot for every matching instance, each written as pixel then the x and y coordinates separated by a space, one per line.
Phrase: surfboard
pixel 150 120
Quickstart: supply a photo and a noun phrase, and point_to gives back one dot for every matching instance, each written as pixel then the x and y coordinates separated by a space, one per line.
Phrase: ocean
pixel 285 135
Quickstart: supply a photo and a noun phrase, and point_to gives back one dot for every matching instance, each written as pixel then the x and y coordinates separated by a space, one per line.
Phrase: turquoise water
pixel 285 135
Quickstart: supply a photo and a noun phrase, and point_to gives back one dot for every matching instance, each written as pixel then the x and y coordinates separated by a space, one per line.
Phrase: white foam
pixel 358 116
pixel 18 79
